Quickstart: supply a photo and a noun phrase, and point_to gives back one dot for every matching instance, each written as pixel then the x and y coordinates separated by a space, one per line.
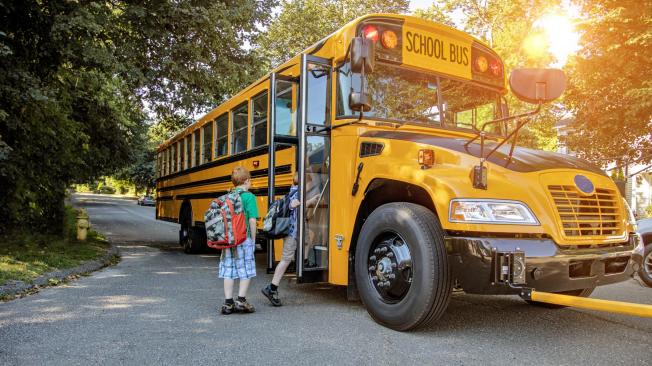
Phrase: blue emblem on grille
pixel 584 184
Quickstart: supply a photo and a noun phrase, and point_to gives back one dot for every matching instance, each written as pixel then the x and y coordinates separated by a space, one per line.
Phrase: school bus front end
pixel 440 202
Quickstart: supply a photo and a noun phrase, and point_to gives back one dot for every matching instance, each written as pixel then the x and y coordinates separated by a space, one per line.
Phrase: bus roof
pixel 332 46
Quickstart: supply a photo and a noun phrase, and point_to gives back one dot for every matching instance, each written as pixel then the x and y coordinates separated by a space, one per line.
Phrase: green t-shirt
pixel 250 208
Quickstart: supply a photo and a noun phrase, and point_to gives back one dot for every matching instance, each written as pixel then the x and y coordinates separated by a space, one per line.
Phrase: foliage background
pixel 89 88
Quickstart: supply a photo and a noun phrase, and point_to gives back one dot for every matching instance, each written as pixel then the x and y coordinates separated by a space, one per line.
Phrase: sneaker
pixel 244 307
pixel 228 308
pixel 271 295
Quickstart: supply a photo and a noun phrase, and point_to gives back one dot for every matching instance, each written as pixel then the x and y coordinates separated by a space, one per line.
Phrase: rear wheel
pixel 586 292
pixel 191 238
pixel 645 273
pixel 401 266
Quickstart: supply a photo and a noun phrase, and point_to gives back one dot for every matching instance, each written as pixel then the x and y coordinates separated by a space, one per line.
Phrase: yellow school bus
pixel 399 131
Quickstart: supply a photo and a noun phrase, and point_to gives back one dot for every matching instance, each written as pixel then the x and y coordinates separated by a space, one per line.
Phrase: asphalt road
pixel 159 306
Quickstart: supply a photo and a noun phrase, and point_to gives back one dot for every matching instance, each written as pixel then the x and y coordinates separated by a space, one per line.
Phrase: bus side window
pixel 208 142
pixel 259 120
pixel 158 165
pixel 174 157
pixel 182 154
pixel 286 116
pixel 197 149
pixel 239 120
pixel 166 170
pixel 221 135
pixel 188 152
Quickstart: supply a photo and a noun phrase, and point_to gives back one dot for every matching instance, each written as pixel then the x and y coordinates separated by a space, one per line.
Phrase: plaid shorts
pixel 238 262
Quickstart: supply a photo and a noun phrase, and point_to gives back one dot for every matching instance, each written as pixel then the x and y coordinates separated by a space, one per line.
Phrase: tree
pixel 507 25
pixel 610 89
pixel 301 23
pixel 79 77
pixel 185 57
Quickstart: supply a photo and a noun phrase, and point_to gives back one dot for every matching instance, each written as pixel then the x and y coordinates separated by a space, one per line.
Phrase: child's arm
pixel 252 228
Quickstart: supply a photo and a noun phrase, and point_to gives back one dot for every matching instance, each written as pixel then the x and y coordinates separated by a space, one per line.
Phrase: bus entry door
pixel 282 138
pixel 314 165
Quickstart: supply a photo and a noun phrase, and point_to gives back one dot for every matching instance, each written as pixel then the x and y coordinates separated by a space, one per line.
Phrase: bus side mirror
pixel 360 101
pixel 537 85
pixel 363 55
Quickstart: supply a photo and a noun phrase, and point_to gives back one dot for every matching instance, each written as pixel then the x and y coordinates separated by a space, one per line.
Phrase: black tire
pixel 185 219
pixel 195 242
pixel 191 238
pixel 645 272
pixel 430 282
pixel 581 293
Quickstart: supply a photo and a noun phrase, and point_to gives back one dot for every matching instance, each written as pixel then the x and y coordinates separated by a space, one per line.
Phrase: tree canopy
pixel 80 78
pixel 301 23
pixel 610 90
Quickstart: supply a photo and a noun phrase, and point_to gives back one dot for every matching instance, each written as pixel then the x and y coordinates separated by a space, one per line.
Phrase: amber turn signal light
pixel 389 39
pixel 426 157
pixel 481 64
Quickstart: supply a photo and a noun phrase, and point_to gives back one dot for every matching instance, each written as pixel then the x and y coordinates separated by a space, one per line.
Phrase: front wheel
pixel 401 266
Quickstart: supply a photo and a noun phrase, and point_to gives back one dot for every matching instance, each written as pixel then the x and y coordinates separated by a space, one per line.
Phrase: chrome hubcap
pixel 390 267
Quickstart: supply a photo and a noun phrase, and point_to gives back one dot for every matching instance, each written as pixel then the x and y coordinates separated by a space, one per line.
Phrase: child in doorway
pixel 239 262
pixel 289 245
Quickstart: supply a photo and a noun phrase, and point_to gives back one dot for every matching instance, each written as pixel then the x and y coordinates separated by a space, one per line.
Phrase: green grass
pixel 27 256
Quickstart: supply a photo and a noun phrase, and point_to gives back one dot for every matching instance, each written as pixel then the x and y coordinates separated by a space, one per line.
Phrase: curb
pixel 13 288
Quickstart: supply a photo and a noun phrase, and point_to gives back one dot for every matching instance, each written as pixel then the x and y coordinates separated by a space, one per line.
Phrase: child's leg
pixel 228 288
pixel 280 271
pixel 244 285
pixel 289 250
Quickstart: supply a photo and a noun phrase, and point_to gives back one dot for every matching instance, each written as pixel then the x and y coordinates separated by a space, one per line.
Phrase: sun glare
pixel 553 33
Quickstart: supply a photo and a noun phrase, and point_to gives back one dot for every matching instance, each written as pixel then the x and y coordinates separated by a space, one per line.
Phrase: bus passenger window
pixel 182 154
pixel 158 165
pixel 208 142
pixel 259 120
pixel 166 166
pixel 239 128
pixel 188 152
pixel 173 149
pixel 221 135
pixel 197 147
pixel 286 115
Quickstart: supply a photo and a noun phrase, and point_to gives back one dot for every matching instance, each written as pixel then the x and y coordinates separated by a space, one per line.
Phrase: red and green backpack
pixel 225 221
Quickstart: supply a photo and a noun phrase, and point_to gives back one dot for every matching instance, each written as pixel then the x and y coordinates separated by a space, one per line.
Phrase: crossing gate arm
pixel 610 306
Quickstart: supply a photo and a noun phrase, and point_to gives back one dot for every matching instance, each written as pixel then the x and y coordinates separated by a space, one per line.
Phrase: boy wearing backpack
pixel 239 262
pixel 289 243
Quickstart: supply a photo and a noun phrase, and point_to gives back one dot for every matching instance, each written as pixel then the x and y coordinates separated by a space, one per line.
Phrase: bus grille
pixel 583 216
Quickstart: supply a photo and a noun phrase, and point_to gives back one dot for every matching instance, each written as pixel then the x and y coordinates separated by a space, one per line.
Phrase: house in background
pixel 637 187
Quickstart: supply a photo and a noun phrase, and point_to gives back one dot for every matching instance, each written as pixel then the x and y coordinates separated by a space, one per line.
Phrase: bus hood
pixel 523 160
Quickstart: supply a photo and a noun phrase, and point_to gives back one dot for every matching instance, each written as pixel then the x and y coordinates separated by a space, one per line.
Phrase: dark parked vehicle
pixel 645 229
pixel 146 201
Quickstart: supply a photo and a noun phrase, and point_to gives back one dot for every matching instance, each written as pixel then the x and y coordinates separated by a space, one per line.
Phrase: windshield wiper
pixel 480 171
pixel 481 133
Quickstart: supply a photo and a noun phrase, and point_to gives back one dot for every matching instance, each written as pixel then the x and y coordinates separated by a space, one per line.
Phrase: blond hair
pixel 240 175
pixel 295 178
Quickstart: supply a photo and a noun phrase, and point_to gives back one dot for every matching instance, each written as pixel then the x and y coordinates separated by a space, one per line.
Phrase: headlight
pixel 486 211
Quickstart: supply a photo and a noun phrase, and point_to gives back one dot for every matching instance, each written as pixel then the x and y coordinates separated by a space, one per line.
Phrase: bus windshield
pixel 403 95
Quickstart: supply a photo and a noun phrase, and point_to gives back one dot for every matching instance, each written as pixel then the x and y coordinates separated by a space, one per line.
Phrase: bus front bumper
pixel 548 267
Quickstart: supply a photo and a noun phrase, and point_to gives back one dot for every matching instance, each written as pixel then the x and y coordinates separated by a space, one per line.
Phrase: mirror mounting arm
pixel 514 133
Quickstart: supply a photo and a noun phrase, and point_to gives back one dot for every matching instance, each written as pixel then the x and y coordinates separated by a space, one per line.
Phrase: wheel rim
pixel 647 264
pixel 389 264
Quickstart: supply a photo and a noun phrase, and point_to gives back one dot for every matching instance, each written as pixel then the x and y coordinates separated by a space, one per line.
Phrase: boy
pixel 239 262
pixel 289 244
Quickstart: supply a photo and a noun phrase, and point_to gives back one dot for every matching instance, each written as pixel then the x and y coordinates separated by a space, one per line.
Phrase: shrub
pixel 106 190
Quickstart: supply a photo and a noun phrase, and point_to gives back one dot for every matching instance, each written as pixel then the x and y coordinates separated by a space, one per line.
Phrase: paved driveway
pixel 159 306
